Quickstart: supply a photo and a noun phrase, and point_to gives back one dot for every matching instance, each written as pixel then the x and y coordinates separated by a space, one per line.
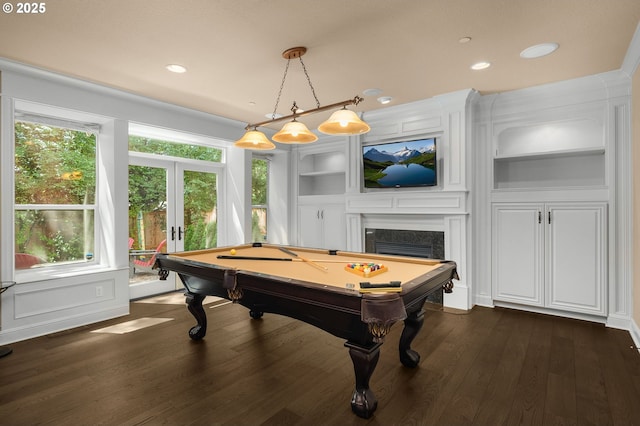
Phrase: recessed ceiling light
pixel 385 99
pixel 464 40
pixel 539 50
pixel 179 69
pixel 371 92
pixel 480 66
pixel 272 116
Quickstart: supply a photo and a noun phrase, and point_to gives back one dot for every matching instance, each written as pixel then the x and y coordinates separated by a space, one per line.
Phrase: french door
pixel 172 207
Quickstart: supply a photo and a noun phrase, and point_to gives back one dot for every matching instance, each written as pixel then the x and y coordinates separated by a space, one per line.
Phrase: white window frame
pixel 32 112
pixel 266 158
pixel 176 136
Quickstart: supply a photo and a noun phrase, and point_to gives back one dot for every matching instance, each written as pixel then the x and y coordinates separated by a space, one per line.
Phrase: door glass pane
pixel 200 210
pixel 147 220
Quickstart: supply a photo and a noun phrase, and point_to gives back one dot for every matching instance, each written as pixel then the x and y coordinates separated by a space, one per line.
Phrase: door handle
pixel 173 233
pixel 549 217
pixel 180 233
pixel 539 217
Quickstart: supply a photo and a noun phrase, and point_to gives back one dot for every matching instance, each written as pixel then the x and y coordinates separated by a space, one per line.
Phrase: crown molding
pixel 632 58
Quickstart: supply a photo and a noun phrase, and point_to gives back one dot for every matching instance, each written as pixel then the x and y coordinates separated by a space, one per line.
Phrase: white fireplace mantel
pixel 408 202
pixel 455 230
pixel 445 207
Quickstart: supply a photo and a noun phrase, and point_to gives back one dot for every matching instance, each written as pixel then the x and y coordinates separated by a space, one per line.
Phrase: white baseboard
pixel 486 301
pixel 635 334
pixel 31 331
pixel 459 299
pixel 555 312
pixel 619 322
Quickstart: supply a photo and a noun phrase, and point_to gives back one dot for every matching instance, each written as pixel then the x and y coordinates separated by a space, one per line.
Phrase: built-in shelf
pixel 575 168
pixel 552 154
pixel 321 184
pixel 323 173
pixel 322 170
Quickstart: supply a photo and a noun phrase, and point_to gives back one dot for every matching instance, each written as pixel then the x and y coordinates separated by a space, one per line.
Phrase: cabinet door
pixel 576 267
pixel 334 227
pixel 517 265
pixel 310 226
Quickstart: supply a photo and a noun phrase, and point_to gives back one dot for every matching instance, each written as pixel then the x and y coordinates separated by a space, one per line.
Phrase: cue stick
pixel 285 259
pixel 288 259
pixel 281 259
pixel 304 259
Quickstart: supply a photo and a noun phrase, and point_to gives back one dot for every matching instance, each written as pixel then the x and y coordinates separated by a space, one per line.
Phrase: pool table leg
pixel 194 303
pixel 412 325
pixel 365 359
pixel 255 314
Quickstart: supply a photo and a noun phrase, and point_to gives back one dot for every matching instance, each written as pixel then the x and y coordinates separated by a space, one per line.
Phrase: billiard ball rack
pixel 366 269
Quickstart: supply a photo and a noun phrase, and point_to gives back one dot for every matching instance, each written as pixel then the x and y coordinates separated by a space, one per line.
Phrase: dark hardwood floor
pixel 487 367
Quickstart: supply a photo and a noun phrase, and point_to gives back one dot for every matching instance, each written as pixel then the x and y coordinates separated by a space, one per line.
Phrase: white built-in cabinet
pixel 322 226
pixel 551 255
pixel 320 171
pixel 551 173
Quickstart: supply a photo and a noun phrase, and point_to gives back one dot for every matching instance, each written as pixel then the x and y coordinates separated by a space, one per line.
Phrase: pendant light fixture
pixel 254 139
pixel 344 122
pixel 341 122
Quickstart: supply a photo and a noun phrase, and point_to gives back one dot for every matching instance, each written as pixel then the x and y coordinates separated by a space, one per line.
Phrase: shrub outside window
pixel 259 197
pixel 55 192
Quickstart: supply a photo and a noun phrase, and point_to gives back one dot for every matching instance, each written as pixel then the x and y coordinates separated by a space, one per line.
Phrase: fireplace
pixel 424 244
pixel 427 244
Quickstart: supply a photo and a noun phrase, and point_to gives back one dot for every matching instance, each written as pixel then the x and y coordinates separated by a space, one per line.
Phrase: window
pixel 196 196
pixel 175 182
pixel 174 149
pixel 55 191
pixel 259 193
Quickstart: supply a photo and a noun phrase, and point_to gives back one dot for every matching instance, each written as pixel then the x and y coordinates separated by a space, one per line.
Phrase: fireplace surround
pixel 444 233
pixel 404 242
pixel 425 244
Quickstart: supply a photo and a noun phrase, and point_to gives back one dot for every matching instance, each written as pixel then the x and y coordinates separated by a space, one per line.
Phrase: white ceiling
pixel 232 48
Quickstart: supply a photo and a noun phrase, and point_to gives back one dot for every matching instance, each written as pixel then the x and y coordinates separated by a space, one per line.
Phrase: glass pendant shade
pixel 344 122
pixel 254 139
pixel 294 132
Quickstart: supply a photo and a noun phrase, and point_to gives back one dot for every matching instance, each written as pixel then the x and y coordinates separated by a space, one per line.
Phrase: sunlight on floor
pixel 134 325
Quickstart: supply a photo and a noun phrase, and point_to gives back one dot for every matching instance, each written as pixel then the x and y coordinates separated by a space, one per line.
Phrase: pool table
pixel 322 288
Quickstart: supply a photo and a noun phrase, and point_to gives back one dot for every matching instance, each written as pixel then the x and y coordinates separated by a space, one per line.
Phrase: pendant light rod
pixel 354 101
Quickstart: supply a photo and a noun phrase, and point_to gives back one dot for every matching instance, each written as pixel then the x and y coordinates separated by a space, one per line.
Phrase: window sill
pixel 47 274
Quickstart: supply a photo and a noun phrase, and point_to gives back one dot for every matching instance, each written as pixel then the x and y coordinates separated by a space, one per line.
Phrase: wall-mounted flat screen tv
pixel 400 164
